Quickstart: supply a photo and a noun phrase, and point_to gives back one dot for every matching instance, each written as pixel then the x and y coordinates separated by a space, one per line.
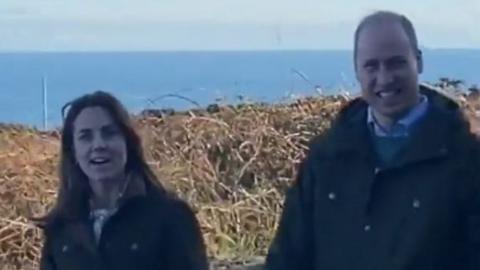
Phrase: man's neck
pixel 387 122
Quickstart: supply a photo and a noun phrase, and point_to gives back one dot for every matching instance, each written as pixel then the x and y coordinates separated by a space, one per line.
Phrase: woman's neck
pixel 106 192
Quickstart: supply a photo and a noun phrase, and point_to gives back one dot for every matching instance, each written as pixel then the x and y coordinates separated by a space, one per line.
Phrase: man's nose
pixel 384 76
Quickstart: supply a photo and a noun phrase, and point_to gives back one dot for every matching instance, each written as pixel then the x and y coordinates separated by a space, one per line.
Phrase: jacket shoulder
pixel 169 206
pixel 348 116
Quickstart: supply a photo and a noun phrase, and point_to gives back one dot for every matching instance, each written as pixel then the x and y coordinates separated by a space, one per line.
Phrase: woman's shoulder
pixel 169 206
pixel 50 227
pixel 170 201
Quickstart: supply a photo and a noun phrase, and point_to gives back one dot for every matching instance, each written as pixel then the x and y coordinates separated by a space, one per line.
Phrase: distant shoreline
pixel 450 89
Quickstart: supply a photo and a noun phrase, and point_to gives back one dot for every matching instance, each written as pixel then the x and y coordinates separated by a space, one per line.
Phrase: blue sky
pixel 92 25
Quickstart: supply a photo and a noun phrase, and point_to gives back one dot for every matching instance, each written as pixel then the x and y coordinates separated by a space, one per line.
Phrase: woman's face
pixel 99 145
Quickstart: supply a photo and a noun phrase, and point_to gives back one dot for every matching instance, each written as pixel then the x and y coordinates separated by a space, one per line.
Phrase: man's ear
pixel 419 57
pixel 355 68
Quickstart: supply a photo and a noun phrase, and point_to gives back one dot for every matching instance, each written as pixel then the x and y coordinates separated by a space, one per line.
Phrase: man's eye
pixel 370 67
pixel 398 63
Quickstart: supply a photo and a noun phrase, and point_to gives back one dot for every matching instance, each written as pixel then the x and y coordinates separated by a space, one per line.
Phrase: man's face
pixel 387 69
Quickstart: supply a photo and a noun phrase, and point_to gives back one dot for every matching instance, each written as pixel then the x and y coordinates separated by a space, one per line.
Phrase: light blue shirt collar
pixel 403 126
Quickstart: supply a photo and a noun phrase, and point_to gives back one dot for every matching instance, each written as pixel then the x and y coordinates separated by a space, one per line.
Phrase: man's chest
pixel 360 209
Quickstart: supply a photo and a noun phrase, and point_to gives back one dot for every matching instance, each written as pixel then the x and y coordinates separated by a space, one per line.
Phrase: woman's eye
pixel 110 132
pixel 84 136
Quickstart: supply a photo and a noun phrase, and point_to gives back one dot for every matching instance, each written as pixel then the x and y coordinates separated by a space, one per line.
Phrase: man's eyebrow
pixel 369 61
pixel 397 57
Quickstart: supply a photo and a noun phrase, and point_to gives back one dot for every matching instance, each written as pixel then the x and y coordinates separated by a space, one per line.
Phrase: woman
pixel 111 212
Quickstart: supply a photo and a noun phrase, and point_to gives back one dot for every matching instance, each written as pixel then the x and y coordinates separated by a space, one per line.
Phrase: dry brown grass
pixel 232 167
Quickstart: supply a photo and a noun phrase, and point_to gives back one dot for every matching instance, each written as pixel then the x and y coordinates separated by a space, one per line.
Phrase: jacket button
pixel 65 248
pixel 416 203
pixel 332 196
pixel 134 246
pixel 367 228
pixel 377 170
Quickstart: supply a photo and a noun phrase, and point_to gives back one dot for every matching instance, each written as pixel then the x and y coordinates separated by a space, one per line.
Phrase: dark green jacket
pixel 151 231
pixel 421 213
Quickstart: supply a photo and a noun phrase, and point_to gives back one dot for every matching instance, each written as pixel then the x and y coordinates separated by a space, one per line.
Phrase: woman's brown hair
pixel 73 190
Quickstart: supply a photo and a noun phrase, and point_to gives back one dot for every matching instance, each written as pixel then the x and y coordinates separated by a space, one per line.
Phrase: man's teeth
pixel 387 93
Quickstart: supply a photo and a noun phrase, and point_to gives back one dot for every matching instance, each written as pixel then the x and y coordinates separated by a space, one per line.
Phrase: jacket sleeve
pixel 186 249
pixel 473 212
pixel 46 260
pixel 473 231
pixel 292 246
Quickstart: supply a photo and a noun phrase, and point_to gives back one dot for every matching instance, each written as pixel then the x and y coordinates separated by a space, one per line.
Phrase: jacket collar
pixel 81 230
pixel 134 187
pixel 402 127
pixel 350 134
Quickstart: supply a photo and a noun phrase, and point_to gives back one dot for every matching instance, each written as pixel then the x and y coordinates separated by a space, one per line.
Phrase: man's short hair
pixel 387 16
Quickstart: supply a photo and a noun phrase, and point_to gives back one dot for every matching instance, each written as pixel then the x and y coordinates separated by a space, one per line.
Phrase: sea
pixel 35 85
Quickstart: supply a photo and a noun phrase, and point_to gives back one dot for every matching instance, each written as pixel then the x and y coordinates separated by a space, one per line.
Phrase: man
pixel 392 184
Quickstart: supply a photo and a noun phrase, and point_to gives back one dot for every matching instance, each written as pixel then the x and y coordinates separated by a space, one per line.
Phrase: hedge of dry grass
pixel 232 166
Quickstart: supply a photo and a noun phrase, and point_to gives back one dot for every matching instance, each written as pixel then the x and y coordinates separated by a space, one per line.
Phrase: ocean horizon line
pixel 94 51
